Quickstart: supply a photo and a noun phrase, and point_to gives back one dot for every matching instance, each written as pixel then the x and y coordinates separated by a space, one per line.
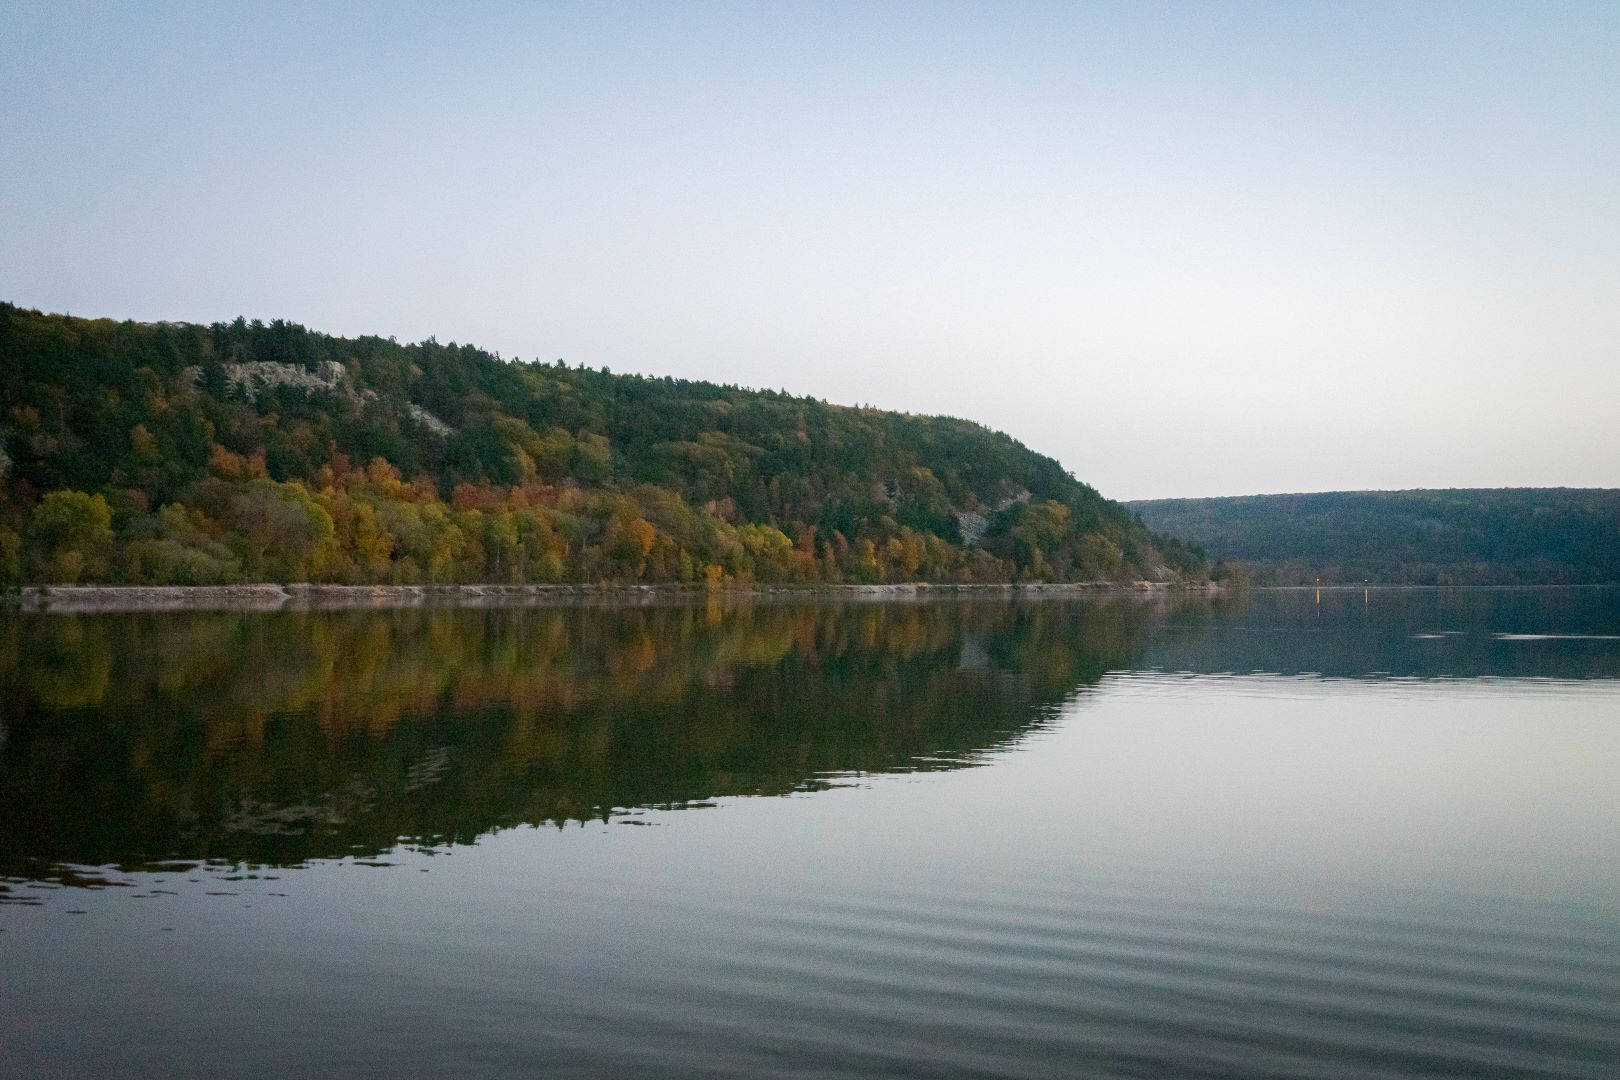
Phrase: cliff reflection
pixel 274 739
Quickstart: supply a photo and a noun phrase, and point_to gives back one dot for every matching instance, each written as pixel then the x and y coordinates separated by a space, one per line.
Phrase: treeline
pixel 183 454
pixel 1490 536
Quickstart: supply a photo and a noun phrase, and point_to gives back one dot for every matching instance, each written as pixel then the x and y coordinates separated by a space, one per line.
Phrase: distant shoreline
pixel 303 597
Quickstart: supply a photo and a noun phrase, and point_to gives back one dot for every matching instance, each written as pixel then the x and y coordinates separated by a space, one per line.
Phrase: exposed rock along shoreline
pixel 271 597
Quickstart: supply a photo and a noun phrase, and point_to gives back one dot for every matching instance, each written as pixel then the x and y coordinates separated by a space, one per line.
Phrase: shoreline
pixel 306 597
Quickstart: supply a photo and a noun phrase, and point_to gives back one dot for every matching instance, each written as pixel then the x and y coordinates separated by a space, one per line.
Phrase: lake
pixel 1356 834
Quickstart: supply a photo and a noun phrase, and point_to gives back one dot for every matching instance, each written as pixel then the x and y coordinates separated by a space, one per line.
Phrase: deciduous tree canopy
pixel 177 453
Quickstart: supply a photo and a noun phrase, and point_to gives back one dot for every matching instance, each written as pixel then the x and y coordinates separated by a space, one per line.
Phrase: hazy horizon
pixel 1188 251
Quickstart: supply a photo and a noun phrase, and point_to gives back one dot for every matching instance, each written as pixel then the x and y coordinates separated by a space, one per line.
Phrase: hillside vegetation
pixel 185 454
pixel 1500 536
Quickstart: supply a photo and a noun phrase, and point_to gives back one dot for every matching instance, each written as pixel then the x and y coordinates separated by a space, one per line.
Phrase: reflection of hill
pixel 276 738
pixel 1403 633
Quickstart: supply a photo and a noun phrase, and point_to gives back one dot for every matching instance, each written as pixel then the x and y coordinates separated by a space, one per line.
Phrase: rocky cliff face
pixel 328 376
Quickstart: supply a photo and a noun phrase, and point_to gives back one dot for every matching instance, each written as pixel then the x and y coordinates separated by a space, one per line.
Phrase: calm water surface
pixel 1377 835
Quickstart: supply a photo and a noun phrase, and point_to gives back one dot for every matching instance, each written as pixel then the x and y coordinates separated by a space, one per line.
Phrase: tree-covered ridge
pixel 1490 536
pixel 187 454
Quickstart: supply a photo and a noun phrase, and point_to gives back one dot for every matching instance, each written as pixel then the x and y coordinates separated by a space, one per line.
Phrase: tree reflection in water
pixel 275 738
pixel 272 739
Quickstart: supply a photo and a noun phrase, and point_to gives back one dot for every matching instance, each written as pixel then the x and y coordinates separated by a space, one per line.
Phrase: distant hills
pixel 1491 536
pixel 172 453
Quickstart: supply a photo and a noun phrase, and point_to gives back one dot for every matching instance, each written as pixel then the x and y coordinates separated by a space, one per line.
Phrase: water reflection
pixel 277 738
pixel 1393 855
pixel 1399 633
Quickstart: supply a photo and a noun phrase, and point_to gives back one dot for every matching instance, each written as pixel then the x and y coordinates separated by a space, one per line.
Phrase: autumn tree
pixel 69 537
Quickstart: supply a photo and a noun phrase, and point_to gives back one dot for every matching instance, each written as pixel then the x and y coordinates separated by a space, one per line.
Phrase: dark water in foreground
pixel 1377 836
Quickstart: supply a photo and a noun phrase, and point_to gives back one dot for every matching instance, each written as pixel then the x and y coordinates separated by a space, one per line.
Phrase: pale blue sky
pixel 1188 249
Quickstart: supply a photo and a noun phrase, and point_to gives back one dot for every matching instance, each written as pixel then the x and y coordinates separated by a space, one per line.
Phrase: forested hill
pixel 187 454
pixel 1491 536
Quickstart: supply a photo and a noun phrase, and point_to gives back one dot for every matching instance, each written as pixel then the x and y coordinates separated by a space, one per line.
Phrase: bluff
pixel 174 453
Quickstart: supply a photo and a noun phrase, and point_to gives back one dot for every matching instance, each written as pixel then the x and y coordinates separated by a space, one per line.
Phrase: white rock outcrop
pixel 329 376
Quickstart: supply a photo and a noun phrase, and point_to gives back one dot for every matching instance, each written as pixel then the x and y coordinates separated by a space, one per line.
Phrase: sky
pixel 1187 249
